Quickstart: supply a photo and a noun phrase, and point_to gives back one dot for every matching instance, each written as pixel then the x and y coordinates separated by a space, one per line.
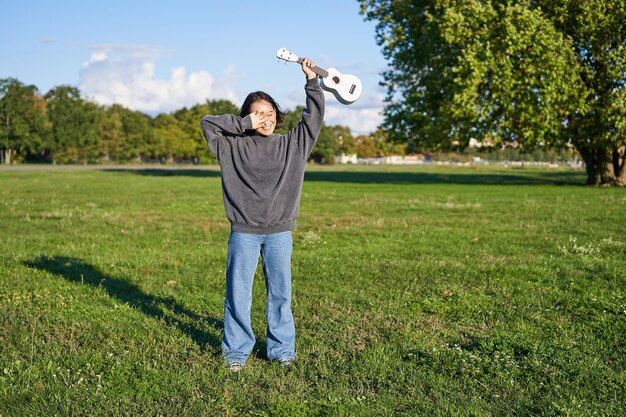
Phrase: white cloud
pixel 360 121
pixel 362 117
pixel 125 74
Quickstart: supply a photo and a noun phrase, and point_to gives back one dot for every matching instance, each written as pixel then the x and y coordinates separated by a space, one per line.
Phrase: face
pixel 266 108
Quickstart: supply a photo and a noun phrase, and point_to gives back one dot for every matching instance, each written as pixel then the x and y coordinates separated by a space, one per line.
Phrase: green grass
pixel 417 291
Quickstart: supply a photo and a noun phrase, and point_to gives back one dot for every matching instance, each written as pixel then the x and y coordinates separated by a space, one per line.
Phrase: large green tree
pixel 326 146
pixel 538 72
pixel 74 134
pixel 137 135
pixel 110 130
pixel 23 124
pixel 171 141
pixel 126 135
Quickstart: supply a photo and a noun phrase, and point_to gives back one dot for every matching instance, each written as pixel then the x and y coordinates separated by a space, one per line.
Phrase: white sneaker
pixel 287 362
pixel 235 366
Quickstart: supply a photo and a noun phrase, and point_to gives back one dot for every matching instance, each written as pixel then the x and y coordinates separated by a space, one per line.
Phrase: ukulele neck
pixel 319 71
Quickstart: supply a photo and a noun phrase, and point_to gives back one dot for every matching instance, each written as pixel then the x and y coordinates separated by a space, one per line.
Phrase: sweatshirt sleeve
pixel 308 129
pixel 215 128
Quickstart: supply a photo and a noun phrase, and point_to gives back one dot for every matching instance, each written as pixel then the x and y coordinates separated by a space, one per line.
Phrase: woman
pixel 262 176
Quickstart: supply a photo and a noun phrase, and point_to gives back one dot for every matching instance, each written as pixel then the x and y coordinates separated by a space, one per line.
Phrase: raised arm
pixel 214 127
pixel 308 130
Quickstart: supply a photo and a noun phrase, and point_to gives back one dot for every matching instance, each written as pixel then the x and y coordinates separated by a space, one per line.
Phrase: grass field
pixel 417 291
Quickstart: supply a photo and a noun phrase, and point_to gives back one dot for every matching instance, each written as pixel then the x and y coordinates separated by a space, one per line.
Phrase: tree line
pixel 63 127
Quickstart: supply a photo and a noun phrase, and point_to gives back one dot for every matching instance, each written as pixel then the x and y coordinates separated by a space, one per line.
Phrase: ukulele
pixel 345 87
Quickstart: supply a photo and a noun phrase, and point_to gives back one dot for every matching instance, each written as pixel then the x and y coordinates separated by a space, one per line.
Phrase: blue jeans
pixel 243 256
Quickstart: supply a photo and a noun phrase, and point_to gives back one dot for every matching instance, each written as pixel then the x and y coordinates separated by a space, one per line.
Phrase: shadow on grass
pixel 168 172
pixel 515 177
pixel 166 308
pixel 473 178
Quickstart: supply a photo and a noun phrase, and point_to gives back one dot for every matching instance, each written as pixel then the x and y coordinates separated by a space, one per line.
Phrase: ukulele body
pixel 345 87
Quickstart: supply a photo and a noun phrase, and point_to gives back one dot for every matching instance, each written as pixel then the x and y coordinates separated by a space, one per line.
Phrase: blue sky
pixel 158 56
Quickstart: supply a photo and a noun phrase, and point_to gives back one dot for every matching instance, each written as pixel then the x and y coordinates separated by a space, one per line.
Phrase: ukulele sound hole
pixel 336 79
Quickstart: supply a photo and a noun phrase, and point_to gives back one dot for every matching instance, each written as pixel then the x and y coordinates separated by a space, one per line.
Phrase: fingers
pixel 260 120
pixel 257 119
pixel 307 62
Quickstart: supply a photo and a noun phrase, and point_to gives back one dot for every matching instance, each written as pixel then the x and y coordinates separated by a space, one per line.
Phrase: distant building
pixel 346 159
pixel 403 160
pixel 387 160
pixel 485 143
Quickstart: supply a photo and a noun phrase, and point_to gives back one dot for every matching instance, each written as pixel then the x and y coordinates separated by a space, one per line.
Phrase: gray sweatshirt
pixel 262 175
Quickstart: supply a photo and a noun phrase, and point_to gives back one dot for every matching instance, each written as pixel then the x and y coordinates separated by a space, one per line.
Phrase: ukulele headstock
pixel 287 55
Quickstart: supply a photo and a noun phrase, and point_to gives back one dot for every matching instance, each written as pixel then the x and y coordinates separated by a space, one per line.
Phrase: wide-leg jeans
pixel 244 250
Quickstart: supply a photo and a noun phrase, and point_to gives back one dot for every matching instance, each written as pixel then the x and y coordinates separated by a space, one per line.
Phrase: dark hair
pixel 260 95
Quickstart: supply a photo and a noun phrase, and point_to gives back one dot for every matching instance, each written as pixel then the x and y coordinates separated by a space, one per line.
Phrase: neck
pixel 319 71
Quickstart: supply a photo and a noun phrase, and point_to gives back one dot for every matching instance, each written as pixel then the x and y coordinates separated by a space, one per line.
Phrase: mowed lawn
pixel 417 291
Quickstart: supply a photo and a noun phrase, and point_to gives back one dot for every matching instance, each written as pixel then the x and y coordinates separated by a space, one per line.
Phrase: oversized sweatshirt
pixel 262 175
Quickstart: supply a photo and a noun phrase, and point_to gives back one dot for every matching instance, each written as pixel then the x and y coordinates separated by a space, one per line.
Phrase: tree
pixel 137 135
pixel 110 131
pixel 22 120
pixel 538 72
pixel 171 140
pixel 366 148
pixel 292 118
pixel 344 141
pixel 74 121
pixel 126 134
pixel 326 147
pixel 384 146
